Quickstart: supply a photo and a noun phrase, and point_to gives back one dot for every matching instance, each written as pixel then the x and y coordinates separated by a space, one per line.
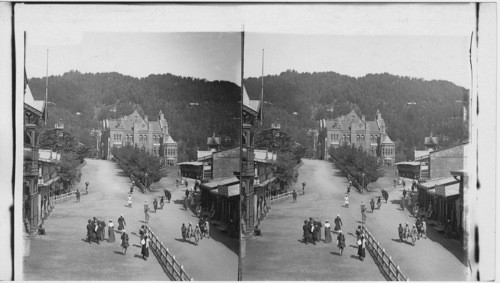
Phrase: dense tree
pixel 67 169
pixel 355 161
pixel 137 161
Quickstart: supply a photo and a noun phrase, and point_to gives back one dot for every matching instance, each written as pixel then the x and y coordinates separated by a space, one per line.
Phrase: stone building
pixel 349 129
pixel 152 135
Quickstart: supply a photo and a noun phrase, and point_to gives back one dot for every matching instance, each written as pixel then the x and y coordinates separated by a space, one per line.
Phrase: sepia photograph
pixel 252 142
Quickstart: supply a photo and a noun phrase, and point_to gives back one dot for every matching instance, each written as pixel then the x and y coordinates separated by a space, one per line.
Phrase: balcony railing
pixel 30 153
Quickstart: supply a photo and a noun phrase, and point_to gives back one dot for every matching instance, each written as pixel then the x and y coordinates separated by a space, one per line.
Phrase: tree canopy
pixel 140 163
pixel 355 161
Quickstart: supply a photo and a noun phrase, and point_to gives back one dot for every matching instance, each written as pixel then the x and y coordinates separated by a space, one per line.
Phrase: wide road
pixel 280 255
pixel 63 255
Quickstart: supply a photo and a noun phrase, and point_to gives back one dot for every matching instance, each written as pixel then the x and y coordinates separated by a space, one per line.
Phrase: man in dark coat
pixel 306 232
pixel 90 231
pixel 184 231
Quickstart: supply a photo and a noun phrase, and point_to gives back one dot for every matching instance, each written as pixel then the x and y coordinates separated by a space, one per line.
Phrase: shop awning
pixel 221 182
pixel 438 182
pixel 448 190
pixel 227 191
pixel 265 182
pixel 49 182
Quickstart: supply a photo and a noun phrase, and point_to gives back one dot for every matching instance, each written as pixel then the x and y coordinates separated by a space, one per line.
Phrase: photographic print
pixel 131 141
pixel 371 129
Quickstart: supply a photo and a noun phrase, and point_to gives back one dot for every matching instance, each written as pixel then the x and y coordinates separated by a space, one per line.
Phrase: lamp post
pixel 146 181
pixel 363 179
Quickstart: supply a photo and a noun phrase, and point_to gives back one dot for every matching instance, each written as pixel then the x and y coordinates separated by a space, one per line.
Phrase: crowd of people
pixel 312 232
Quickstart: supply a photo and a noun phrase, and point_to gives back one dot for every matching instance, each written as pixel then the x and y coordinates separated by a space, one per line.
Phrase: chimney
pixel 146 118
pixel 161 116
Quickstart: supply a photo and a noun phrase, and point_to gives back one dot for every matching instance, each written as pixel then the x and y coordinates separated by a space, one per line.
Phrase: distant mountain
pixel 412 108
pixel 194 108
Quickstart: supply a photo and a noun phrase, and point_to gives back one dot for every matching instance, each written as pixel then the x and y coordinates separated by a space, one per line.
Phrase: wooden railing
pixel 63 197
pixel 390 269
pixel 166 259
pixel 279 197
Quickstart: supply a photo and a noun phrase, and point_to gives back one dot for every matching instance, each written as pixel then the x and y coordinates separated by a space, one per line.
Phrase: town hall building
pixel 152 135
pixel 351 130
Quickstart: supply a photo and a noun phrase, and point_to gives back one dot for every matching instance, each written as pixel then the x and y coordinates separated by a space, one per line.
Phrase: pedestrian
pixel 404 193
pixel 142 232
pixel 146 214
pixel 305 234
pixel 77 196
pixel 424 228
pixel 155 204
pixel 386 196
pixel 121 223
pixel 407 231
pixel 338 223
pixel 341 242
pixel 186 182
pixel 192 197
pixel 190 231
pixel 111 231
pixel 95 227
pixel 177 183
pixel 87 188
pixel 358 233
pixel 90 231
pixel 294 195
pixel 185 204
pixel 303 188
pixel 395 183
pixel 361 247
pixel 346 200
pixel 379 202
pixel 372 204
pixel 131 188
pixel 198 209
pixel 207 228
pixel 101 226
pixel 404 184
pixel 401 233
pixel 414 233
pixel 145 247
pixel 124 242
pixel 328 232
pixel 169 195
pixel 162 202
pixel 129 200
pixel 402 203
pixel 311 233
pixel 184 232
pixel 418 224
pixel 197 233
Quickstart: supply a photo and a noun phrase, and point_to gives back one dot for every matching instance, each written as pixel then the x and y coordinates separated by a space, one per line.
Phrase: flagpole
pixel 262 91
pixel 47 90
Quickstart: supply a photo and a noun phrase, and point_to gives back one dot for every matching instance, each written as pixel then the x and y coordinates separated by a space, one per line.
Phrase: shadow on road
pixel 118 253
pixel 354 256
pixel 335 253
pixel 187 241
pixel 448 244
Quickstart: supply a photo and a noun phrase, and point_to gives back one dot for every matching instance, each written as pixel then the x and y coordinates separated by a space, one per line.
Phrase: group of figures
pixel 312 232
pixel 96 230
pixel 201 230
pixel 418 230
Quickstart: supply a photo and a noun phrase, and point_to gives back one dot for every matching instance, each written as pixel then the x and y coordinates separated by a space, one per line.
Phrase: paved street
pixel 278 254
pixel 63 255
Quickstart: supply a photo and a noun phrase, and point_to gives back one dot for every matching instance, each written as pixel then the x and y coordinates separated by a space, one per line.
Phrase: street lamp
pixel 363 179
pixel 146 176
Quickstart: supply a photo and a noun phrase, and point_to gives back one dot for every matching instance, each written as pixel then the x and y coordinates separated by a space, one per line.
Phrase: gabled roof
pixel 387 140
pixel 213 141
pixel 253 105
pixel 169 140
pixel 439 181
pixel 221 181
pixel 29 100
pixel 431 141
pixel 204 154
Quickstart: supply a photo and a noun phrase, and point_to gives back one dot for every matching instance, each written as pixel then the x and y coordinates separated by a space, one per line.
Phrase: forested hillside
pixel 412 108
pixel 194 108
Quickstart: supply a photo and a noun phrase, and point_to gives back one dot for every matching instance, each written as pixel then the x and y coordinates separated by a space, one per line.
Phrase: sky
pixel 429 41
pixel 212 56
